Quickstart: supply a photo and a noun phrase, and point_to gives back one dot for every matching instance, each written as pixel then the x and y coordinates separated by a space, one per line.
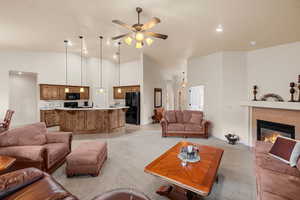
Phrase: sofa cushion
pixel 175 127
pixel 56 152
pixel 187 115
pixel 12 182
pixel 196 118
pixel 278 184
pixel 170 116
pixel 33 134
pixel 24 153
pixel 193 127
pixel 268 162
pixel 262 147
pixel 179 116
pixel 282 148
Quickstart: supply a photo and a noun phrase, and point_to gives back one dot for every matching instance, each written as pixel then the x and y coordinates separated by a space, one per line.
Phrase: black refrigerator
pixel 132 100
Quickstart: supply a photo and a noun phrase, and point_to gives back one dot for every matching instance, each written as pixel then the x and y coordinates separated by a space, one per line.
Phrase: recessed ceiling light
pixel 219 29
pixel 253 43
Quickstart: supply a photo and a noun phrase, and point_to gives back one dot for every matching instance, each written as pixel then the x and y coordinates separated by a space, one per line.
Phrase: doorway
pixel 23 97
pixel 196 98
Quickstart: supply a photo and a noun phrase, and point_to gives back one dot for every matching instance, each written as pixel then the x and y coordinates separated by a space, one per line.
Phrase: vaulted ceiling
pixel 40 25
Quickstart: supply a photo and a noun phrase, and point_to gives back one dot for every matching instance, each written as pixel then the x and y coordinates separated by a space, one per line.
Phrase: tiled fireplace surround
pixel 283 116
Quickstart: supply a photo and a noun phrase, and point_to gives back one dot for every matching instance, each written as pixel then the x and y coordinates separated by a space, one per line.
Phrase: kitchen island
pixel 91 120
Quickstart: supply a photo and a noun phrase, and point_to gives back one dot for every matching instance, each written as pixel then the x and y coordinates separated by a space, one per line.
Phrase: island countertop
pixel 91 120
pixel 94 108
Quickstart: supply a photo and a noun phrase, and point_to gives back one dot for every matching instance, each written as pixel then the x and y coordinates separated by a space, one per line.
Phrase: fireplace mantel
pixel 269 104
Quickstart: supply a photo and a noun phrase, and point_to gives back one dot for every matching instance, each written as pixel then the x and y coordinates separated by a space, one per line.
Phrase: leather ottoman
pixel 87 158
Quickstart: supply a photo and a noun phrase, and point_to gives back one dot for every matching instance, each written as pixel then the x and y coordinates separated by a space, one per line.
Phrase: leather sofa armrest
pixel 59 137
pixel 31 153
pixel 204 123
pixel 164 125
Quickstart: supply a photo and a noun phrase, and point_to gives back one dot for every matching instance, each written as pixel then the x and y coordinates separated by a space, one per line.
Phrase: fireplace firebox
pixel 269 131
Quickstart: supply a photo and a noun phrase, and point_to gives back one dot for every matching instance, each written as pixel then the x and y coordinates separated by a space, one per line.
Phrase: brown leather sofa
pixel 33 184
pixel 185 123
pixel 275 179
pixel 33 146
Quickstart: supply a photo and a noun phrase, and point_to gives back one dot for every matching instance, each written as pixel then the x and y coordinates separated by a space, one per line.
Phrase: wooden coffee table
pixel 6 162
pixel 188 182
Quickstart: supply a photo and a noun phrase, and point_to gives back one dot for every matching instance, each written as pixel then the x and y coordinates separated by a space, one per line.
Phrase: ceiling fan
pixel 139 31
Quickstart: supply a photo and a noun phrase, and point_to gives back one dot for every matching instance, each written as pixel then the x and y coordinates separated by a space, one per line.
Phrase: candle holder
pixel 255 92
pixel 292 91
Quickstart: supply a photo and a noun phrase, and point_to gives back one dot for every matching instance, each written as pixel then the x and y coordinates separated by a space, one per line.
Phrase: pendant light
pixel 119 62
pixel 81 88
pixel 101 89
pixel 66 47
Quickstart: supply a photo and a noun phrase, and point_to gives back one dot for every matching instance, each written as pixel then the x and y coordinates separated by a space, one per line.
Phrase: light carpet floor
pixel 131 151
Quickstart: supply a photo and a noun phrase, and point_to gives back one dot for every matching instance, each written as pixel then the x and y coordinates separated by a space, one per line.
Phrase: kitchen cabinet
pixel 50 117
pixel 124 89
pixel 57 92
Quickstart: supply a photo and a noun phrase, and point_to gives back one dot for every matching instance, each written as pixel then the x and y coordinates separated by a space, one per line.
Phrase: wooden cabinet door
pixel 62 94
pixel 86 94
pixel 91 120
pixel 45 92
pixel 54 90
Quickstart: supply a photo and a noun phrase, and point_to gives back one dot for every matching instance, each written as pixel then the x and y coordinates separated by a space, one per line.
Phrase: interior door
pixel 196 98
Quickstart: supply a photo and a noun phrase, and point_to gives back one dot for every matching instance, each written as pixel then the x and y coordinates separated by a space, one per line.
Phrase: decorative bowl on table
pixel 189 154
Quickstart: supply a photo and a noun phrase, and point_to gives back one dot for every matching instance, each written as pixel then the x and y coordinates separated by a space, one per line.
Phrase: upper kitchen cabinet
pixel 124 89
pixel 57 92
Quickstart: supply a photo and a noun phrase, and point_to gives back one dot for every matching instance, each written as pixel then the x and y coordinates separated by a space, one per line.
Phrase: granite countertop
pixel 95 108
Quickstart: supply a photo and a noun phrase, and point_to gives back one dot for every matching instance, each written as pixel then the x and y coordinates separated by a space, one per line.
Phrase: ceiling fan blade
pixel 157 35
pixel 120 36
pixel 122 24
pixel 151 23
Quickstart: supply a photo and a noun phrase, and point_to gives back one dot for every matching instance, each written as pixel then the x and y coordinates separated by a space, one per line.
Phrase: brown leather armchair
pixel 31 183
pixel 34 146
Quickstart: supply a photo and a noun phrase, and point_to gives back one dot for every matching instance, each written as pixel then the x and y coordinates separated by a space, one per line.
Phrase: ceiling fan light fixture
pixel 128 40
pixel 139 36
pixel 149 41
pixel 139 45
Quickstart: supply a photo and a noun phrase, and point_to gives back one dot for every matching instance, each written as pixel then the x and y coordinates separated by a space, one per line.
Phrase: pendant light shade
pixel 101 89
pixel 66 42
pixel 81 54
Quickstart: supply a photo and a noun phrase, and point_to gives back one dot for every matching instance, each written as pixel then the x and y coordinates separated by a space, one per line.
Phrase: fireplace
pixel 269 131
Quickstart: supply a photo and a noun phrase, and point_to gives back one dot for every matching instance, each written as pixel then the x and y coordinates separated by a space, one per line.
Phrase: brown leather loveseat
pixel 33 146
pixel 185 123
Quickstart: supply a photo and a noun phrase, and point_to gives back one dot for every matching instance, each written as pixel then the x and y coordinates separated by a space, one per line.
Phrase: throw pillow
pixel 295 155
pixel 196 119
pixel 170 116
pixel 282 149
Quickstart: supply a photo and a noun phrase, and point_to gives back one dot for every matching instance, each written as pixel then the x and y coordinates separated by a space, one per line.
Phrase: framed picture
pixel 157 97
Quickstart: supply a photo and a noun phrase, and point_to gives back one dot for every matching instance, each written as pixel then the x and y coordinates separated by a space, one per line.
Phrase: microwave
pixel 72 96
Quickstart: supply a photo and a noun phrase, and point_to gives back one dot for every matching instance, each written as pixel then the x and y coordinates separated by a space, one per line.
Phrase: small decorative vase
pixel 255 92
pixel 292 91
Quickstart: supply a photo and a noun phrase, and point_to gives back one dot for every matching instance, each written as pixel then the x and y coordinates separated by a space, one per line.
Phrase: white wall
pixel 153 77
pixel 23 98
pixel 272 69
pixel 50 68
pixel 207 71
